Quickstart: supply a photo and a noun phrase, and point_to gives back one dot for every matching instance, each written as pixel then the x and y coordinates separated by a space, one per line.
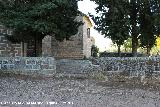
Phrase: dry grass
pixel 148 83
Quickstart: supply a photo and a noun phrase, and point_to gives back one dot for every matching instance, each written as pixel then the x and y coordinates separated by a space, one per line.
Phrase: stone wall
pixel 7 48
pixel 134 66
pixel 87 39
pixel 76 68
pixel 72 48
pixel 28 65
pixel 47 46
pixel 87 43
pixel 77 47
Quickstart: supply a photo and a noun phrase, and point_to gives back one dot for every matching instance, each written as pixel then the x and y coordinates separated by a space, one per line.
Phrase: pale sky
pixel 86 6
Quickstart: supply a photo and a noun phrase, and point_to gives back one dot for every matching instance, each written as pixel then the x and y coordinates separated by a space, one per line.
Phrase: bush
pixel 94 51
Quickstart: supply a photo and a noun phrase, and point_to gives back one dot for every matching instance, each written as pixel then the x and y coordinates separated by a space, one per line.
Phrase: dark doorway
pixel 34 48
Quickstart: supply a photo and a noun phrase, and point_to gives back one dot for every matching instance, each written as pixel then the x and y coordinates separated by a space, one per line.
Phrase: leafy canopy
pixel 148 20
pixel 34 19
pixel 117 19
pixel 113 20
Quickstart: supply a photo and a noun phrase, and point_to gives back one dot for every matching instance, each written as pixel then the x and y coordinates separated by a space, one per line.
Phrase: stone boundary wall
pixel 28 65
pixel 134 66
pixel 76 66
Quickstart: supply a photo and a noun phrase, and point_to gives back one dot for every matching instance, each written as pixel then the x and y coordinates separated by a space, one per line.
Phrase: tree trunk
pixel 134 45
pixel 22 49
pixel 35 47
pixel 119 50
pixel 148 51
pixel 125 49
pixel 39 48
pixel 133 19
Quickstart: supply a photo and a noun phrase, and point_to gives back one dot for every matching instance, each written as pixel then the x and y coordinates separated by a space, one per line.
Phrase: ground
pixel 64 92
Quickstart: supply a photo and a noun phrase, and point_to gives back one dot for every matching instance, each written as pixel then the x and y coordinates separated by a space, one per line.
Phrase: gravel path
pixel 31 92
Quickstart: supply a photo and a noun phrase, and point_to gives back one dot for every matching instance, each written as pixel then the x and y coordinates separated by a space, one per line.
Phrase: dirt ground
pixel 24 91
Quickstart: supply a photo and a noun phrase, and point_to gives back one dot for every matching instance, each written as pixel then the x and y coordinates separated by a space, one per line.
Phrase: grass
pixel 99 76
pixel 152 84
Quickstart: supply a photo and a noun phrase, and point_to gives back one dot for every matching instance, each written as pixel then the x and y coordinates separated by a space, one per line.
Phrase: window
pixel 88 32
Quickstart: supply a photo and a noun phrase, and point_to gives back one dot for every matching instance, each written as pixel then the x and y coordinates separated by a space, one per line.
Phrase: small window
pixel 88 32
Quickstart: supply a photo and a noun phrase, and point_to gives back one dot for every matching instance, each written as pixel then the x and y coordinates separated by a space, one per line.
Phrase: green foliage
pixel 148 27
pixel 113 21
pixel 119 18
pixel 94 51
pixel 127 44
pixel 134 26
pixel 144 23
pixel 34 19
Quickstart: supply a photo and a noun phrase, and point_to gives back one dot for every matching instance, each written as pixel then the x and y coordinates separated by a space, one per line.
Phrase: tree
pixel 119 18
pixel 113 20
pixel 133 13
pixel 34 19
pixel 148 27
pixel 158 42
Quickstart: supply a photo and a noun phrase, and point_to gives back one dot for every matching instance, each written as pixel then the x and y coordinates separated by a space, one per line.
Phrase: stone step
pixel 76 66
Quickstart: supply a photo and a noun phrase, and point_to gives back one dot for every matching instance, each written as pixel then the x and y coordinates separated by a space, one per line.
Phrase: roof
pixel 88 21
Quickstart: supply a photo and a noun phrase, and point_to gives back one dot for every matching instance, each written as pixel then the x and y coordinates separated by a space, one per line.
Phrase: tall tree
pixel 149 28
pixel 34 19
pixel 144 21
pixel 113 20
pixel 134 10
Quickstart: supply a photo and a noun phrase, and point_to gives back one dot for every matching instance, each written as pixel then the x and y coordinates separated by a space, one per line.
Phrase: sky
pixel 102 43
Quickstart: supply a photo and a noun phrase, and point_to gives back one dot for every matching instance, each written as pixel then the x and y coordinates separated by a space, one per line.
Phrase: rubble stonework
pixel 134 66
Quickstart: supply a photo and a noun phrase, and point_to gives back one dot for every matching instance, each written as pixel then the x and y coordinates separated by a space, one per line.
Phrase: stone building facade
pixel 7 48
pixel 77 47
pixel 10 49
